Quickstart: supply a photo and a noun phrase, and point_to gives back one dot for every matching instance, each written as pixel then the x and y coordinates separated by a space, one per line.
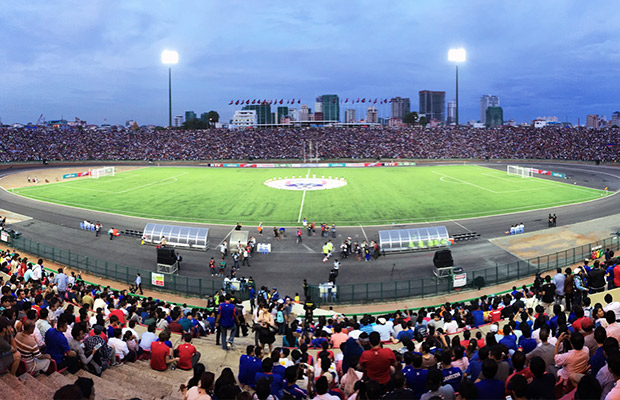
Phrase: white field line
pixel 465 182
pixel 364 232
pixel 468 230
pixel 303 199
pixel 153 183
pixel 126 190
pixel 499 177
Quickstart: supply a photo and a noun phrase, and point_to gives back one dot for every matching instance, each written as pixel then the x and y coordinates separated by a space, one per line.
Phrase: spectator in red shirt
pixel 118 312
pixel 187 353
pixel 174 326
pixel 518 362
pixel 160 354
pixel 377 361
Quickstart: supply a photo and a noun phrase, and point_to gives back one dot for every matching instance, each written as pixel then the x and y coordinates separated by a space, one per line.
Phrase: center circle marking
pixel 305 183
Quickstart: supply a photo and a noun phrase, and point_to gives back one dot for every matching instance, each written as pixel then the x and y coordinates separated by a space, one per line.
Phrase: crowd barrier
pixel 434 286
pixel 185 285
pixel 345 293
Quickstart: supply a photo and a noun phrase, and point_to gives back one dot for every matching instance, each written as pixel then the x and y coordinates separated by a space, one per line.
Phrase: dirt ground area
pixel 50 175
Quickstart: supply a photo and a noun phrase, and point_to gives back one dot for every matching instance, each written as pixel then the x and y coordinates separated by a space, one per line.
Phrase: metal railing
pixel 184 285
pixel 434 286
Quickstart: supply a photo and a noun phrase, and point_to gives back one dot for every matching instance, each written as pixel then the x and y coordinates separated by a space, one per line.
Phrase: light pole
pixel 169 57
pixel 457 56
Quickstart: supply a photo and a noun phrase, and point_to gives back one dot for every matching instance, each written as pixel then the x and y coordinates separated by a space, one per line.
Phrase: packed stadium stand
pixel 77 144
pixel 63 338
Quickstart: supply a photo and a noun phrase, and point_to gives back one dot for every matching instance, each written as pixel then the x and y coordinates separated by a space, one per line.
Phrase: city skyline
pixel 101 62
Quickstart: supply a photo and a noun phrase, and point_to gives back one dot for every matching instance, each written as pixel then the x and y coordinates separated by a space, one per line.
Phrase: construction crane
pixel 41 120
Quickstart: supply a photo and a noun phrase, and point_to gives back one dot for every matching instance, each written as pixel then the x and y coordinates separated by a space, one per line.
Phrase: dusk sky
pixel 100 60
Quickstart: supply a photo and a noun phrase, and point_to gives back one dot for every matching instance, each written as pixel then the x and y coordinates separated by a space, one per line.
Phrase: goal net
pixel 523 172
pixel 99 172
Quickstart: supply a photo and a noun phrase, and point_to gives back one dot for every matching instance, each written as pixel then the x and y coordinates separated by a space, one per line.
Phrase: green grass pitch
pixel 372 196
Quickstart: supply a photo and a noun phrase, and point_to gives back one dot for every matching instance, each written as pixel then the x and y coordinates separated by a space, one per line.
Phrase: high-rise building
pixel 487 101
pixel 400 107
pixel 372 116
pixel 615 119
pixel 244 118
pixel 292 114
pixel 319 116
pixel 330 106
pixel 263 113
pixel 204 117
pixel 304 113
pixel 433 104
pixel 451 113
pixel 494 117
pixel 349 116
pixel 282 113
pixel 318 105
pixel 177 121
pixel 592 121
pixel 190 116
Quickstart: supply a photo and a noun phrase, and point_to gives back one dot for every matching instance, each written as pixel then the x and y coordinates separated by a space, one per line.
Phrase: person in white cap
pixel 494 330
pixel 385 329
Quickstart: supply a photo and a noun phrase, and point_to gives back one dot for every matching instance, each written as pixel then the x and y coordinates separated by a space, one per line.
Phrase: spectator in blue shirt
pixel 274 379
pixel 605 347
pixel 451 375
pixel 526 342
pixel 57 346
pixel 246 367
pixel 290 388
pixel 407 333
pixel 509 339
pixel 227 320
pixel 489 387
pixel 414 374
pixel 478 316
pixel 475 366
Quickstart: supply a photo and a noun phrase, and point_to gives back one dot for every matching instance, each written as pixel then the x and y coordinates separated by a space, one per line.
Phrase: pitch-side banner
pixel 307 165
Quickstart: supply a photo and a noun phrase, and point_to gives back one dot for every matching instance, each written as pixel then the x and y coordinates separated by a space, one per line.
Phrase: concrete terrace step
pixel 171 379
pixel 61 380
pixel 9 391
pixel 110 389
pixel 13 381
pixel 44 391
pixel 150 387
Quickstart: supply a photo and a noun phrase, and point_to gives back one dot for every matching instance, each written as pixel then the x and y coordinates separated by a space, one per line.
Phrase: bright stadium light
pixel 457 56
pixel 169 57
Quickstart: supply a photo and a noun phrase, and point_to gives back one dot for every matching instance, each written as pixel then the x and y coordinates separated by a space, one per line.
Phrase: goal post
pixel 99 172
pixel 523 172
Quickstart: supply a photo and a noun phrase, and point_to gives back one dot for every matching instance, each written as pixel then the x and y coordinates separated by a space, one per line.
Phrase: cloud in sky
pixel 101 60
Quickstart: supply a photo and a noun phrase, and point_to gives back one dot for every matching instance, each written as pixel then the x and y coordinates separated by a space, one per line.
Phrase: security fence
pixel 184 285
pixel 433 286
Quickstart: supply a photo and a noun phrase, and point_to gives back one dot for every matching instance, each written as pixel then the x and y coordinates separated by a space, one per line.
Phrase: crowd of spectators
pixel 74 143
pixel 545 341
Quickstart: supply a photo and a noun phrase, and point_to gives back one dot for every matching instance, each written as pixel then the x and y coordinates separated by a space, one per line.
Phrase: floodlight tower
pixel 457 56
pixel 169 57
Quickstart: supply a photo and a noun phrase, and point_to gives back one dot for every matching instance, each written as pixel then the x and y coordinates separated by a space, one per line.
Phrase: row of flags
pixel 283 101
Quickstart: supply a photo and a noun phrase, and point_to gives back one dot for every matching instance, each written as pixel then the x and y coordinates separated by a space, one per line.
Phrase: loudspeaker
pixel 479 282
pixel 443 259
pixel 166 256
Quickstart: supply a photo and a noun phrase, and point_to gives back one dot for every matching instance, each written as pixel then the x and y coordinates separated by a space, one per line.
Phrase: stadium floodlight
pixel 457 56
pixel 169 57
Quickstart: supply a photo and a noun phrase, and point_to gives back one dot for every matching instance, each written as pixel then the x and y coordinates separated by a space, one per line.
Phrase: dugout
pixel 414 239
pixel 177 236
